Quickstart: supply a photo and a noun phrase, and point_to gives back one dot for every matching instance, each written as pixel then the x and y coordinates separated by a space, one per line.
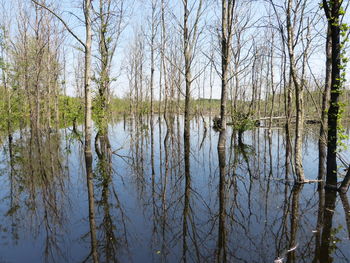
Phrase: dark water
pixel 250 212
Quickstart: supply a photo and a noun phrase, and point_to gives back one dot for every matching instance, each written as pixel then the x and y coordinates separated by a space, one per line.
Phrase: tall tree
pixel 322 141
pixel 334 13
pixel 88 127
pixel 299 91
pixel 190 39
pixel 227 9
pixel 110 24
pixel 87 45
pixel 154 26
pixel 297 41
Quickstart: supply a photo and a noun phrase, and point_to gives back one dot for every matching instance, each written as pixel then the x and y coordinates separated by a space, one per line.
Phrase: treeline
pixel 212 106
pixel 71 109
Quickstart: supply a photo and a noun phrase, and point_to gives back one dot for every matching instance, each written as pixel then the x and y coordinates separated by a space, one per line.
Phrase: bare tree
pixel 298 35
pixel 87 7
pixel 154 26
pixel 190 39
pixel 227 11
pixel 322 142
pixel 299 89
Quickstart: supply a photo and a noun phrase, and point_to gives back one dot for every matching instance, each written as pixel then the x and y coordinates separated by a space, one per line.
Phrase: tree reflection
pixel 91 202
pixel 37 188
pixel 221 254
pixel 161 193
pixel 186 206
pixel 112 232
pixel 318 230
pixel 327 244
pixel 346 206
pixel 294 224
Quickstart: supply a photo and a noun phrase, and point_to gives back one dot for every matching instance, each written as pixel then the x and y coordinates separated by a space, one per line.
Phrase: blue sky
pixel 138 12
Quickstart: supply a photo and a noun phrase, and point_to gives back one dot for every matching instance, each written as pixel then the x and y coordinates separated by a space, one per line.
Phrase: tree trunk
pixel 322 142
pixel 298 158
pixel 188 77
pixel 333 112
pixel 225 49
pixel 88 130
pixel 153 35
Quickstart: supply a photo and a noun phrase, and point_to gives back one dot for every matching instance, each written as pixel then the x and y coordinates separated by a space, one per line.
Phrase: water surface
pixel 237 206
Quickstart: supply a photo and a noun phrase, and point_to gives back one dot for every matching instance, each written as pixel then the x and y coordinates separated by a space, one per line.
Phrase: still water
pixel 149 209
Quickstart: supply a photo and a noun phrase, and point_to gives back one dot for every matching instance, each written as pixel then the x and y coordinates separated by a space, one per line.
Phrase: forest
pixel 174 131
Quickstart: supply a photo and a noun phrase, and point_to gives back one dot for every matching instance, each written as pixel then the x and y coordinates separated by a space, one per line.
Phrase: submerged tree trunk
pixel 190 38
pixel 104 75
pixel 332 11
pixel 88 129
pixel 299 99
pixel 273 89
pixel 226 37
pixel 153 36
pixel 322 142
pixel 163 60
pixel 188 77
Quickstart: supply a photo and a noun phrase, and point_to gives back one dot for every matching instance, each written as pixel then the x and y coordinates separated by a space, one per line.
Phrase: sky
pixel 138 12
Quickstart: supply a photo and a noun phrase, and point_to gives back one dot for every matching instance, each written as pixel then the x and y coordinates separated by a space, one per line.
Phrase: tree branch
pixel 62 21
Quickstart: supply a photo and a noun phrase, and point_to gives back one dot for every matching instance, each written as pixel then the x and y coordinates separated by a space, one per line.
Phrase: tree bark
pixel 298 158
pixel 88 129
pixel 322 142
pixel 188 77
pixel 226 37
pixel 153 36
pixel 333 16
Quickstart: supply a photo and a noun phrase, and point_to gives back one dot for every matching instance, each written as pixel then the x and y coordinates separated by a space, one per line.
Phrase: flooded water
pixel 155 202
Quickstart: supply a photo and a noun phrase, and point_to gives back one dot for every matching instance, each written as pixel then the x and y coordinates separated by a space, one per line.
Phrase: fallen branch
pixel 307 181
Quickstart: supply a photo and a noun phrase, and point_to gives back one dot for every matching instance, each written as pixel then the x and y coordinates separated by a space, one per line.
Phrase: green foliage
pixel 100 112
pixel 15 112
pixel 342 136
pixel 242 122
pixel 71 109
